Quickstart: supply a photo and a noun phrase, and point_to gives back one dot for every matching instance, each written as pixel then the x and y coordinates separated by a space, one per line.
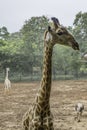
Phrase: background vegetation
pixel 22 51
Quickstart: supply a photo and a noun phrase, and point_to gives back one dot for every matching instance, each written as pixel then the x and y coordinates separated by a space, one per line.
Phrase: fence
pixel 26 77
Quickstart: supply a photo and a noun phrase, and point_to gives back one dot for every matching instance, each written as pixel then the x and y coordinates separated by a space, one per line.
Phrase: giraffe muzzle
pixel 75 46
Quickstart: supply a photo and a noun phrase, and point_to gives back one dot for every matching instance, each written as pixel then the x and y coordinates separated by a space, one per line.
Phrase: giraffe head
pixel 60 35
pixel 7 69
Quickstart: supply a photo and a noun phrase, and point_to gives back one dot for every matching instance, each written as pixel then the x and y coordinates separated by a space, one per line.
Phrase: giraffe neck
pixel 7 74
pixel 43 96
pixel 47 73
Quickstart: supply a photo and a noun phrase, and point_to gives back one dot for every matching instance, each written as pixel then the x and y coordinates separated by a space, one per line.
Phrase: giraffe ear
pixel 47 35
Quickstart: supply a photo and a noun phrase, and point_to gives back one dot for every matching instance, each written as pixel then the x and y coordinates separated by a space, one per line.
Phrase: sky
pixel 13 13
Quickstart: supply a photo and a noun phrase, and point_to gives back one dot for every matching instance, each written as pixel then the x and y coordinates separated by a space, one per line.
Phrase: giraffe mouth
pixel 74 45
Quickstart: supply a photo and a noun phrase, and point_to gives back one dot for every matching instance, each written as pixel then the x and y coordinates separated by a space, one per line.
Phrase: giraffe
pixel 7 83
pixel 39 116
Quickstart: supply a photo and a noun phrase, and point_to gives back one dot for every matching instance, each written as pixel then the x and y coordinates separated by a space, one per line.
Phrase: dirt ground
pixel 64 96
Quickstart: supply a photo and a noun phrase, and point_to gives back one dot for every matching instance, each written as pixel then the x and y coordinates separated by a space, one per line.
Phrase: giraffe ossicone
pixel 39 117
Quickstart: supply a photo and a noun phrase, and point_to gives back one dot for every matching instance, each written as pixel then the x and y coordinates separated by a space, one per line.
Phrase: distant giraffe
pixel 39 117
pixel 7 83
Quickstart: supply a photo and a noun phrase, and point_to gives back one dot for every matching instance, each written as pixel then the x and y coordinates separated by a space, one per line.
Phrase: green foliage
pixel 33 31
pixel 23 50
pixel 80 30
pixel 4 33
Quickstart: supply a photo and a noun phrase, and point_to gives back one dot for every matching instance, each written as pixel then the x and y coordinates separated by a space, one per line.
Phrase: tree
pixel 4 33
pixel 33 31
pixel 80 30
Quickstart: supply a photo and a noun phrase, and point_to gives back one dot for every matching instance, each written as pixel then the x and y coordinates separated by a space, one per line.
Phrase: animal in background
pixel 7 82
pixel 79 107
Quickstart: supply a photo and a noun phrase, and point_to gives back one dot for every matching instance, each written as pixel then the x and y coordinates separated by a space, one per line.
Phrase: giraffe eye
pixel 59 33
